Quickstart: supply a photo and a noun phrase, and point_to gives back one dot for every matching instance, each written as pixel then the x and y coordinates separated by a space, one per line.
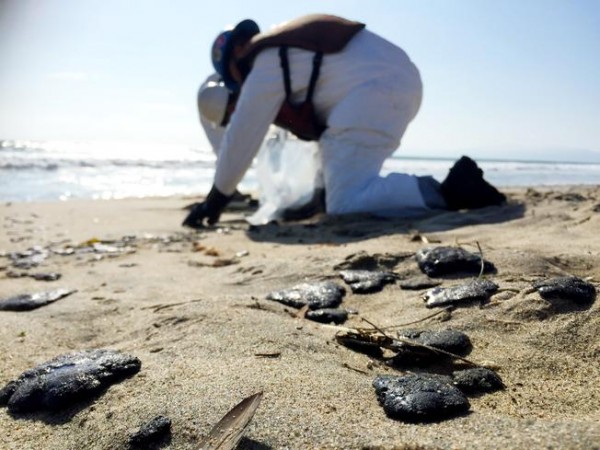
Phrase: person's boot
pixel 315 206
pixel 242 202
pixel 238 202
pixel 465 188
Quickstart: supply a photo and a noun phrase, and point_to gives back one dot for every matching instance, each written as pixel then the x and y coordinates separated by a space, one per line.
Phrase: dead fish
pixel 367 281
pixel 27 302
pixel 439 261
pixel 478 290
pixel 419 398
pixel 566 288
pixel 317 295
pixel 67 379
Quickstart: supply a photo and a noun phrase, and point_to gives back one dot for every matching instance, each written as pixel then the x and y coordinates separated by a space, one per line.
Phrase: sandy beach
pixel 191 306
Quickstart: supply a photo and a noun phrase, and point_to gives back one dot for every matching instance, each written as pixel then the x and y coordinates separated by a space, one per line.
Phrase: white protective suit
pixel 278 158
pixel 366 94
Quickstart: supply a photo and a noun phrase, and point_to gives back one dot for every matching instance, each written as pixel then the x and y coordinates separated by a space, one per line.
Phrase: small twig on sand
pixel 579 222
pixel 441 311
pixel 437 350
pixel 159 307
pixel 376 328
pixel 355 369
pixel 268 354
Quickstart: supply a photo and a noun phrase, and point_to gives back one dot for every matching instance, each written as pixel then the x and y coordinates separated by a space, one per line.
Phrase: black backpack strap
pixel 317 60
pixel 285 67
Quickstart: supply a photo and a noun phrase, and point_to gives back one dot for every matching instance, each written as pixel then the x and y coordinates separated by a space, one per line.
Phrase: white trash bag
pixel 288 171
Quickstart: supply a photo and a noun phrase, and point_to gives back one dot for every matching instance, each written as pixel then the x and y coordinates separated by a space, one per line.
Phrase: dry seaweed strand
pixel 482 267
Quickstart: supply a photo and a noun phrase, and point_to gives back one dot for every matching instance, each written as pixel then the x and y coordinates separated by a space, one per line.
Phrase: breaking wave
pixel 32 170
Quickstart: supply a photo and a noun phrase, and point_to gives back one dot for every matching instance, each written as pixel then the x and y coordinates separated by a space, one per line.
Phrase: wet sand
pixel 191 306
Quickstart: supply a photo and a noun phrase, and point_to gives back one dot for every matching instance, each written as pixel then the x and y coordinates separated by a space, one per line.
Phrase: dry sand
pixel 200 324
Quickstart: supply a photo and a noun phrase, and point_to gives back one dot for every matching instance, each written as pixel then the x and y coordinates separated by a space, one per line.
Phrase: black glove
pixel 210 209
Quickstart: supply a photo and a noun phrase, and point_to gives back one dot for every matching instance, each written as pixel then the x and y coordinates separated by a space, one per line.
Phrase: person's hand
pixel 209 210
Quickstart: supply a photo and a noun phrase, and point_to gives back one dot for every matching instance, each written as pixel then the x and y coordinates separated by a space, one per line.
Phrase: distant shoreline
pixel 495 160
pixel 31 171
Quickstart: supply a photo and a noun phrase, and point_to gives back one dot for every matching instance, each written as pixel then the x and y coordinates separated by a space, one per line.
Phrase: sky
pixel 501 78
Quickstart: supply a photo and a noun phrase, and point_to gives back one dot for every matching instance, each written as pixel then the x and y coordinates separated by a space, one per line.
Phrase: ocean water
pixel 34 171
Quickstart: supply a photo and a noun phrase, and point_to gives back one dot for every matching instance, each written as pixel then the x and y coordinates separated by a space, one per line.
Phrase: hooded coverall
pixel 367 94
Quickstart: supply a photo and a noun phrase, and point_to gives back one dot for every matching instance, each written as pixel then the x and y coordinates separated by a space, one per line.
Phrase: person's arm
pixel 260 99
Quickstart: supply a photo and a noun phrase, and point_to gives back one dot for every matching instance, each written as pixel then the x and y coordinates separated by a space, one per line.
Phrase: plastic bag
pixel 288 171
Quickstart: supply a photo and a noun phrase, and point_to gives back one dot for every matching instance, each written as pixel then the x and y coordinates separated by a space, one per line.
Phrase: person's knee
pixel 337 200
pixel 348 195
pixel 335 206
